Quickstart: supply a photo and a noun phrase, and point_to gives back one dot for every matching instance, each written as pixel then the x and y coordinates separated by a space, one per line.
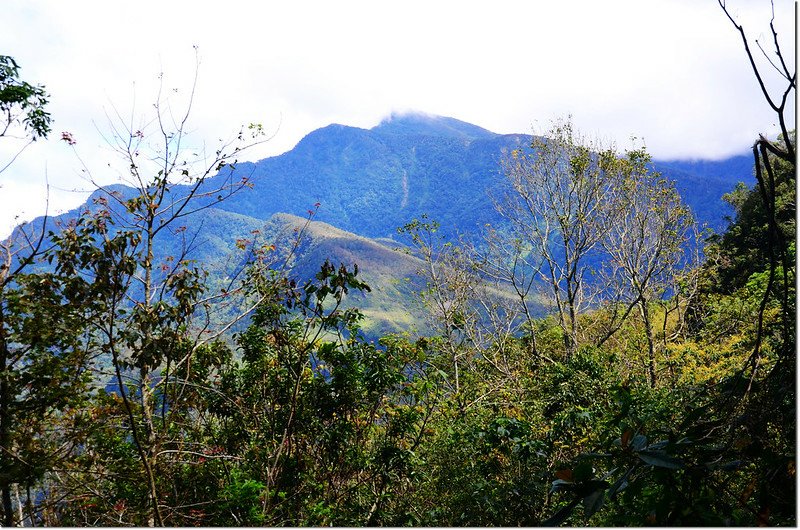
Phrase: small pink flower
pixel 67 137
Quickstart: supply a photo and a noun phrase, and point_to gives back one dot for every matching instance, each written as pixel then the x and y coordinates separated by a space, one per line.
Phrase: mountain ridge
pixel 372 181
pixel 369 182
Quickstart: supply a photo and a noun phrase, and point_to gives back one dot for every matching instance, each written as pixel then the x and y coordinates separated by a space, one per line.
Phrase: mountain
pixel 372 181
pixel 418 124
pixel 702 183
pixel 741 165
pixel 369 182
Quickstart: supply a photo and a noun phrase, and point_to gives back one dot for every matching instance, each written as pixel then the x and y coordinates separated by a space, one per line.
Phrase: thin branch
pixel 789 77
pixel 15 156
pixel 780 72
pixel 750 56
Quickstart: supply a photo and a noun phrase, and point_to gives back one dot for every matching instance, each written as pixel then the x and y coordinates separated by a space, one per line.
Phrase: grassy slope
pixel 392 305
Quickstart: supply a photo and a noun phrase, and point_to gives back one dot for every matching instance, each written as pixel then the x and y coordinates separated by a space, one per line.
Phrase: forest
pixel 656 388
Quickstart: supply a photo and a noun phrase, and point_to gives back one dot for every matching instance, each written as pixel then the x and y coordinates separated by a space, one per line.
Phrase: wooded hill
pixel 369 183
pixel 190 350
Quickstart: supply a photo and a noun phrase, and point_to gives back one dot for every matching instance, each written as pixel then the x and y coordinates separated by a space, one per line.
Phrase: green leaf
pixel 593 502
pixel 559 485
pixel 638 442
pixel 561 515
pixel 620 484
pixel 731 466
pixel 660 459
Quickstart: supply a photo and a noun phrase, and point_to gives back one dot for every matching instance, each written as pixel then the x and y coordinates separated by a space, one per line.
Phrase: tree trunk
pixel 5 428
pixel 148 454
pixel 651 346
pixel 20 515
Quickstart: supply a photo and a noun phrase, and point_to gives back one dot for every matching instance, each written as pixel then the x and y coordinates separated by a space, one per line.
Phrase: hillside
pixel 372 181
pixel 132 354
pixel 369 182
pixel 391 306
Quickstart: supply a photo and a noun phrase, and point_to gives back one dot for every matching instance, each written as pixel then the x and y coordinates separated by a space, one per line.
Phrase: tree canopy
pixel 659 390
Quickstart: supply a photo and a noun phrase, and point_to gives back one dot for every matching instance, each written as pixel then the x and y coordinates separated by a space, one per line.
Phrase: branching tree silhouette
pixel 150 328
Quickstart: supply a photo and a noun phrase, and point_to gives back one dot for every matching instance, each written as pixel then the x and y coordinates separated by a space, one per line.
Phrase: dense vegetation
pixel 659 389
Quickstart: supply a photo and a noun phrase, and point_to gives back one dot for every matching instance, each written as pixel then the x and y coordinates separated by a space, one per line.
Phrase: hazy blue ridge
pixel 741 165
pixel 371 181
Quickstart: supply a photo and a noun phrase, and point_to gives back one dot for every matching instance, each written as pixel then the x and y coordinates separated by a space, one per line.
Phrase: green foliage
pixel 302 420
pixel 123 403
pixel 741 250
pixel 322 420
pixel 482 469
pixel 45 358
pixel 21 103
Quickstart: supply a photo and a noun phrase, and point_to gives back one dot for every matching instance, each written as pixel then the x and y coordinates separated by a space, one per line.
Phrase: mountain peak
pixel 419 123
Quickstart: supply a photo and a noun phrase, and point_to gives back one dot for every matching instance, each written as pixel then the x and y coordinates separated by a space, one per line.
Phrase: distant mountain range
pixel 369 182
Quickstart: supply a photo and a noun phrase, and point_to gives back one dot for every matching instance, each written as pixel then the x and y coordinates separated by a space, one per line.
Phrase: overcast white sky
pixel 672 72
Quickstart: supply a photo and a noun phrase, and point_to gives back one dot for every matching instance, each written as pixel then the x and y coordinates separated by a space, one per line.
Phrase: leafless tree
pixel 471 309
pixel 560 204
pixel 646 245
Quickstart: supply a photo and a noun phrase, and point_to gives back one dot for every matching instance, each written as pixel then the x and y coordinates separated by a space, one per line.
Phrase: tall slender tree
pixel 646 245
pixel 560 202
pixel 156 320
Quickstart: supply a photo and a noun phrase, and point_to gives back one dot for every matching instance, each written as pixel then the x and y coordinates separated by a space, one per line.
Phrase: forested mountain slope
pixel 361 184
pixel 372 181
pixel 240 375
